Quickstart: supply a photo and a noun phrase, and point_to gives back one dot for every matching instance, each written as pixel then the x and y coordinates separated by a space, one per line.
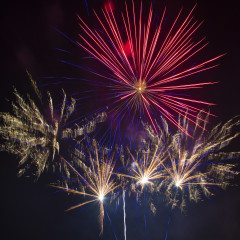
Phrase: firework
pixel 96 181
pixel 147 67
pixel 148 166
pixel 195 163
pixel 34 136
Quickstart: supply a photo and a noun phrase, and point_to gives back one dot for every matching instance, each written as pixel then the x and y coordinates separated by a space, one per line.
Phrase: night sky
pixel 30 210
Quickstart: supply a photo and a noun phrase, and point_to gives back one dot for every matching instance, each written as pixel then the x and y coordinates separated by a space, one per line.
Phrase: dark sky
pixel 30 210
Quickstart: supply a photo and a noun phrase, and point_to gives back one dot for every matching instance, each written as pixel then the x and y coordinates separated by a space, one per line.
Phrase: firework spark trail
pixel 97 179
pixel 124 216
pixel 147 168
pixel 112 226
pixel 148 66
pixel 195 164
pixel 170 216
pixel 169 219
pixel 86 6
pixel 30 134
pixel 145 220
pixel 35 136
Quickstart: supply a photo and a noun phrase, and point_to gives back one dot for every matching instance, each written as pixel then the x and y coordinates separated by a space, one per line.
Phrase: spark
pixel 101 197
pixel 147 67
pixel 178 183
pixel 149 165
pixel 195 164
pixel 144 180
pixel 35 135
pixel 30 134
pixel 97 179
pixel 124 216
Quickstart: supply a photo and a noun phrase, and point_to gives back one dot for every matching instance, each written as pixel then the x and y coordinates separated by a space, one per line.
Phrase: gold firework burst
pixel 35 135
pixel 195 163
pixel 30 134
pixel 96 181
pixel 148 166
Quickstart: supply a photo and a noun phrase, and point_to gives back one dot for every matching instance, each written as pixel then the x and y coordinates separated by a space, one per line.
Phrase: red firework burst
pixel 147 66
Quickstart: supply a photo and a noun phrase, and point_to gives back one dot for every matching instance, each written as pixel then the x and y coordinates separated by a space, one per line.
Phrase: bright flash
pixel 140 86
pixel 101 197
pixel 178 183
pixel 144 180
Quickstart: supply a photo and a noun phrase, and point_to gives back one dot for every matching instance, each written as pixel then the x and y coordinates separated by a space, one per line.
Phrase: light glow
pixel 101 197
pixel 140 86
pixel 150 65
pixel 144 180
pixel 178 183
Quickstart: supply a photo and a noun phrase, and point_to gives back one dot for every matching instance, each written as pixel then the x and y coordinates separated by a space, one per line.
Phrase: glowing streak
pixel 148 169
pixel 124 216
pixel 178 183
pixel 144 180
pixel 148 67
pixel 33 135
pixel 194 163
pixel 97 179
pixel 101 197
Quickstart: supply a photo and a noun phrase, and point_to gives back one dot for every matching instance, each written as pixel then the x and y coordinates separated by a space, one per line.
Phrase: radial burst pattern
pixel 95 181
pixel 148 166
pixel 148 65
pixel 197 165
pixel 35 129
